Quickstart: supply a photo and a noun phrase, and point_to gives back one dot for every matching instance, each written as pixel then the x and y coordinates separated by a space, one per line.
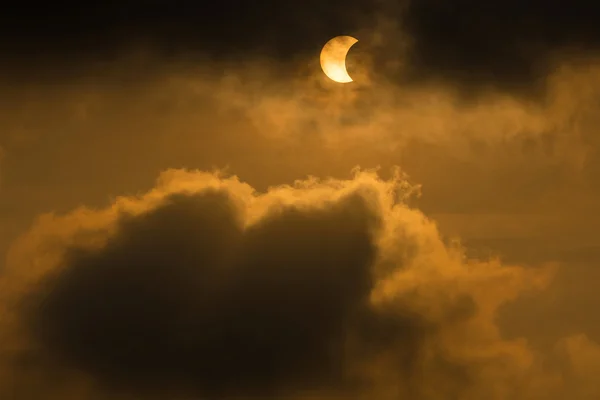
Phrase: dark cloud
pixel 509 45
pixel 474 46
pixel 182 293
pixel 71 35
pixel 203 287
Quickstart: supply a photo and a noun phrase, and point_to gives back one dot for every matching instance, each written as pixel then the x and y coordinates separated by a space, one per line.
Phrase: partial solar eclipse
pixel 333 58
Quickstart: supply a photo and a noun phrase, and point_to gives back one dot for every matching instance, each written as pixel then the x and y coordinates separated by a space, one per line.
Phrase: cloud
pixel 204 286
pixel 296 104
pixel 508 45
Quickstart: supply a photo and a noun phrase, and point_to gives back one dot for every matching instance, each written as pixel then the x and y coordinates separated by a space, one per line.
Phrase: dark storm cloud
pixel 204 287
pixel 182 294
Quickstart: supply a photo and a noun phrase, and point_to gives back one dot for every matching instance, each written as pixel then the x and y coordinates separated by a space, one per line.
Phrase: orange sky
pixel 114 176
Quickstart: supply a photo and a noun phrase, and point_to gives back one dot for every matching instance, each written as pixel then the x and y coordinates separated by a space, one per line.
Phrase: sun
pixel 333 58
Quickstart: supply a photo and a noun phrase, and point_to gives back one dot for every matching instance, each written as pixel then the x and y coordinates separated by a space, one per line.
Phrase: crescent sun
pixel 333 58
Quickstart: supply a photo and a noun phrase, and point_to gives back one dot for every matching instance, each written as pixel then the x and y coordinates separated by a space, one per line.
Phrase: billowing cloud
pixel 204 286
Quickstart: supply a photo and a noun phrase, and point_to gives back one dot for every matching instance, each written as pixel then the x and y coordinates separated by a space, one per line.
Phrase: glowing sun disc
pixel 333 58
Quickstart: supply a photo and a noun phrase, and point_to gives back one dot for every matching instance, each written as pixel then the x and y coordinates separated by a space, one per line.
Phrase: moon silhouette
pixel 333 58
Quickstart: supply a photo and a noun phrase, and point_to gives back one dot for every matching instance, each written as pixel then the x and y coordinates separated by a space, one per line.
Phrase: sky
pixel 190 209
